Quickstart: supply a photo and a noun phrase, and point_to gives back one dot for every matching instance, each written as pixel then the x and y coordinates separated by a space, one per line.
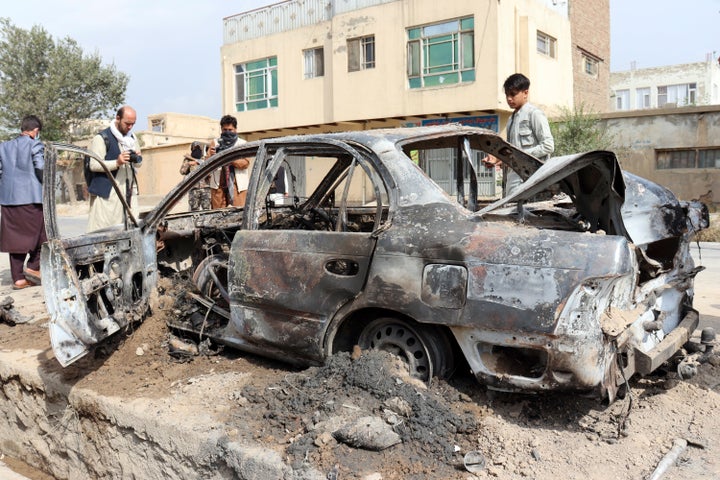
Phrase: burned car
pixel 578 280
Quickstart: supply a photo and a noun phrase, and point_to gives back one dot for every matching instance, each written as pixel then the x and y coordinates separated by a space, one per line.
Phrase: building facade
pixel 303 66
pixel 590 34
pixel 675 147
pixel 666 87
pixel 164 143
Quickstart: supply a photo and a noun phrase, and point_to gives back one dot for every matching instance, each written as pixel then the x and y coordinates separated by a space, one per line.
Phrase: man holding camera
pixel 229 185
pixel 121 152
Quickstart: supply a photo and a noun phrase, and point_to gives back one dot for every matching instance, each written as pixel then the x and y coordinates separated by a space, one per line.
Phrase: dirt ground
pixel 440 428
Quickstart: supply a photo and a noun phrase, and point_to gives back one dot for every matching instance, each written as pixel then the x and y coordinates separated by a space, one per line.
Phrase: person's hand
pixel 211 151
pixel 241 163
pixel 123 158
pixel 492 162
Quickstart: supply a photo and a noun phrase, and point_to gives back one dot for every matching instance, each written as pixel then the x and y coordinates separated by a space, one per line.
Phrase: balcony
pixel 288 15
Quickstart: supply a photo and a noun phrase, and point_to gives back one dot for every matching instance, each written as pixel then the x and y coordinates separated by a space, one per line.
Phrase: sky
pixel 654 33
pixel 171 48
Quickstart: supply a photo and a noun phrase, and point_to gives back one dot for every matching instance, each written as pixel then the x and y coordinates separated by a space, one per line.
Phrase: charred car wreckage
pixel 577 280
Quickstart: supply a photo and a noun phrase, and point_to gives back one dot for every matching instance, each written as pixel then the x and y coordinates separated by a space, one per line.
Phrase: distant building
pixel 666 87
pixel 164 144
pixel 675 147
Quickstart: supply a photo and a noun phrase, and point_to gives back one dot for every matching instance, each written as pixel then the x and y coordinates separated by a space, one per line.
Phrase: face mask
pixel 37 136
pixel 229 136
pixel 196 154
pixel 227 140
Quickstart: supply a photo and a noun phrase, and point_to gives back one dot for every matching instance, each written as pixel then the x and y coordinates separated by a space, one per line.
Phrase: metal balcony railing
pixel 289 15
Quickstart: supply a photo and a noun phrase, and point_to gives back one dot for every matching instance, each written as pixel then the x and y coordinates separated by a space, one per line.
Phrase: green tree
pixel 578 130
pixel 54 80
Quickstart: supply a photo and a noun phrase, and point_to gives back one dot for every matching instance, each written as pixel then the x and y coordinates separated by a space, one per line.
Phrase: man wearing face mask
pixel 22 224
pixel 229 187
pixel 199 195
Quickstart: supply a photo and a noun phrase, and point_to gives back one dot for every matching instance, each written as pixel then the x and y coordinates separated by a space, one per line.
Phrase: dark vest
pixel 100 184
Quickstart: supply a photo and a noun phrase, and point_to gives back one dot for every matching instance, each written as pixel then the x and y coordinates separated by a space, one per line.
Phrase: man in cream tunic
pixel 106 209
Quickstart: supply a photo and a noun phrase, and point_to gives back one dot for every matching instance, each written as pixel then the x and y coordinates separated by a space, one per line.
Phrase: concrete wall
pixel 550 80
pixel 163 151
pixel 168 128
pixel 160 171
pixel 638 134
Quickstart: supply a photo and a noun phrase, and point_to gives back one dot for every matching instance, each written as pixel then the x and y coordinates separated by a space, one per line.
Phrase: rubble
pixel 10 314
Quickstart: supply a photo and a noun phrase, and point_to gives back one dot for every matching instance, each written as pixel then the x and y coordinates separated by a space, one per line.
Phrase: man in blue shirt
pixel 22 224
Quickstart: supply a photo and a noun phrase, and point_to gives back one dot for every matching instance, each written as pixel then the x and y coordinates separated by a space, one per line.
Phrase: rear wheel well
pixel 347 334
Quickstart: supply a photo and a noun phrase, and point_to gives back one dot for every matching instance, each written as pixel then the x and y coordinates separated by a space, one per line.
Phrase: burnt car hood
pixel 593 181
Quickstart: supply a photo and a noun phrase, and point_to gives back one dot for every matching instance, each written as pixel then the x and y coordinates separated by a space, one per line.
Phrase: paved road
pixel 707 284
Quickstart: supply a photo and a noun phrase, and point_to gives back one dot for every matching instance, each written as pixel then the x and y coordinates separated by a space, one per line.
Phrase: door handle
pixel 342 266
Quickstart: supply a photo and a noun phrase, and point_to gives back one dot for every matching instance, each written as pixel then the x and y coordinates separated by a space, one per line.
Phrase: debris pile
pixel 10 314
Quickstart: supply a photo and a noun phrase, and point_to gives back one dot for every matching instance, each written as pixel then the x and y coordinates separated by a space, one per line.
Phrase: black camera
pixel 134 157
pixel 224 144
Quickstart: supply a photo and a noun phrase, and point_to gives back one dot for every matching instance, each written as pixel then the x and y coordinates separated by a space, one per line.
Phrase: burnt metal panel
pixel 444 285
pixel 285 286
pixel 651 212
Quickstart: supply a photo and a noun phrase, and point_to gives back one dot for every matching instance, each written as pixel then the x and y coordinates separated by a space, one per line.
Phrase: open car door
pixel 94 283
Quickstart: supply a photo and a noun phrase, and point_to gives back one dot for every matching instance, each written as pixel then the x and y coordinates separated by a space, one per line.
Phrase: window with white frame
pixel 441 53
pixel 590 65
pixel 256 84
pixel 642 98
pixel 677 95
pixel 546 44
pixel 157 125
pixel 361 53
pixel 314 62
pixel 622 100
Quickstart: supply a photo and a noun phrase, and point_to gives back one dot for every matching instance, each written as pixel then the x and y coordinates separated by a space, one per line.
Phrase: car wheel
pixel 211 278
pixel 424 348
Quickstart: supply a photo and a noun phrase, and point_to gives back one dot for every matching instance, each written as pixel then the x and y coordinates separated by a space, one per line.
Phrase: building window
pixel 688 158
pixel 546 44
pixel 642 98
pixel 256 84
pixel 590 65
pixel 361 53
pixel 157 125
pixel 441 53
pixel 314 62
pixel 677 95
pixel 622 100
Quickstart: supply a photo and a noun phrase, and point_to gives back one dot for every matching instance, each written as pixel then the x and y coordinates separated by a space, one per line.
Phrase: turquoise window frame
pixel 256 84
pixel 441 53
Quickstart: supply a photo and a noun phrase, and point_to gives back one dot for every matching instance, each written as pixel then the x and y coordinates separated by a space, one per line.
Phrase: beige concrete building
pixel 667 86
pixel 302 66
pixel 164 144
pixel 675 147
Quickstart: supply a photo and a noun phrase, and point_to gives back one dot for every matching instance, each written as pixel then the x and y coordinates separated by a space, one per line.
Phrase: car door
pixel 288 278
pixel 95 283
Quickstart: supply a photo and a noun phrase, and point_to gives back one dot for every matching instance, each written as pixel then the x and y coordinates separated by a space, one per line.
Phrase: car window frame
pixel 276 154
